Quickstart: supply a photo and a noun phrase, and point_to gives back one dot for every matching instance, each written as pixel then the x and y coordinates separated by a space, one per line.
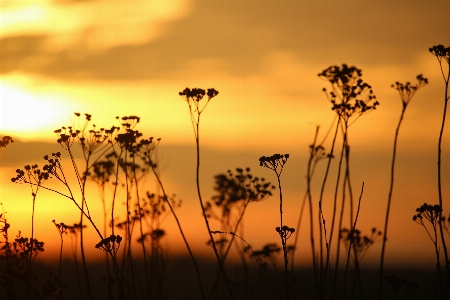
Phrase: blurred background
pixel 120 58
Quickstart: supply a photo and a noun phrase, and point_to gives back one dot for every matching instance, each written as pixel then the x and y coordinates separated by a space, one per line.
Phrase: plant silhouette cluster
pixel 120 159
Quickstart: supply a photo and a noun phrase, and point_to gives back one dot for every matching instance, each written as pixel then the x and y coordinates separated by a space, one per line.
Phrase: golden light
pixel 96 25
pixel 25 114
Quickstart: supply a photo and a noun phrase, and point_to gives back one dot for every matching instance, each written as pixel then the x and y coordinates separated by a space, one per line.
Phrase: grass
pixel 130 229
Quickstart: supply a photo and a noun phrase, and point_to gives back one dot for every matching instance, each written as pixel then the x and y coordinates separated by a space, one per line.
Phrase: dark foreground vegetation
pixel 118 158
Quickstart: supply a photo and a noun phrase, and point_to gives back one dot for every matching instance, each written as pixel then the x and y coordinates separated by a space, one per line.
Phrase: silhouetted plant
pixel 92 143
pixel 4 142
pixel 193 98
pixel 443 56
pixel 431 213
pixel 266 255
pixel 361 244
pixel 236 192
pixel 101 174
pixel 351 98
pixel 397 284
pixel 18 277
pixel 276 163
pixel 73 232
pixel 62 228
pixel 316 154
pixel 153 212
pixel 407 92
pixel 146 150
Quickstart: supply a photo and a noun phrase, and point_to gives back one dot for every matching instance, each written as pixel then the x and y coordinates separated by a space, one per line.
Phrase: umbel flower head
pixel 441 52
pixel 348 90
pixel 407 90
pixel 429 212
pixel 275 162
pixel 193 97
pixel 5 141
pixel 110 243
pixel 197 94
pixel 272 162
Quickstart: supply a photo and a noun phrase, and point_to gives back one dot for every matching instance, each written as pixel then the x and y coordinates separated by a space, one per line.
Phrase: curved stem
pixel 283 239
pixel 197 139
pixel 147 283
pixel 441 133
pixel 320 205
pixel 180 228
pixel 391 187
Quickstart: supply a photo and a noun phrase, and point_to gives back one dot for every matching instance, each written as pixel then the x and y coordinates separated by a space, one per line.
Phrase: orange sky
pixel 121 58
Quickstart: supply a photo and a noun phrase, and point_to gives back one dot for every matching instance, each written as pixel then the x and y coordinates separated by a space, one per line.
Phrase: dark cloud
pixel 240 34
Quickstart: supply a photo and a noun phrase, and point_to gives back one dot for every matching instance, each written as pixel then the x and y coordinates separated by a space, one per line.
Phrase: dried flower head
pixel 347 90
pixel 275 162
pixel 429 212
pixel 441 52
pixel 407 90
pixel 4 142
pixel 193 97
pixel 111 243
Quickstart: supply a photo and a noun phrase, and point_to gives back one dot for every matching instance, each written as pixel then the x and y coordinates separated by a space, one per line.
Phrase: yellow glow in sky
pixel 24 113
pixel 121 58
pixel 99 24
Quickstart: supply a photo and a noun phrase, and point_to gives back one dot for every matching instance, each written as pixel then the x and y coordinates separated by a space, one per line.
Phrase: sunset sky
pixel 118 58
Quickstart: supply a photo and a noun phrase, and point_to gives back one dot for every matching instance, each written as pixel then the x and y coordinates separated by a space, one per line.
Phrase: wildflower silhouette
pixel 62 228
pixel 73 231
pixel 316 154
pixel 4 142
pixel 247 249
pixel 346 88
pixel 406 92
pixel 360 243
pixel 276 163
pixel 92 142
pixel 397 283
pixel 267 254
pixel 193 98
pixel 350 98
pixel 235 192
pixel 146 150
pixel 432 214
pixel 443 56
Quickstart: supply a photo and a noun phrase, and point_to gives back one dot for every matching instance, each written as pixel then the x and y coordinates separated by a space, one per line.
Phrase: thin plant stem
pixel 441 133
pixel 322 190
pixel 144 253
pixel 283 241
pixel 406 91
pixel 442 53
pixel 336 266
pixel 310 171
pixel 391 187
pixel 197 139
pixel 351 241
pixel 180 228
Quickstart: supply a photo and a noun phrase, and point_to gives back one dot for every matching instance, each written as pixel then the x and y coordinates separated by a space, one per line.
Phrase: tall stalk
pixel 276 163
pixel 350 97
pixel 193 98
pixel 317 153
pixel 443 53
pixel 144 252
pixel 352 241
pixel 407 92
pixel 146 153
